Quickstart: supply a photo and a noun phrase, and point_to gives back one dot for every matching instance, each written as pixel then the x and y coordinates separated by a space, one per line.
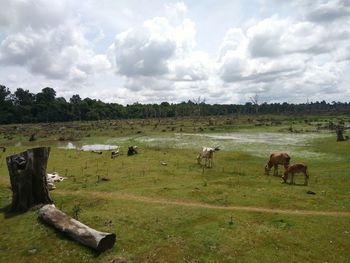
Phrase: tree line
pixel 23 106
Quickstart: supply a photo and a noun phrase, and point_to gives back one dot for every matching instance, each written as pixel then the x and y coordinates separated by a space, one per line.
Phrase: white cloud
pixel 281 56
pixel 159 53
pixel 49 42
pixel 147 50
pixel 195 66
pixel 328 11
pixel 144 51
pixel 174 51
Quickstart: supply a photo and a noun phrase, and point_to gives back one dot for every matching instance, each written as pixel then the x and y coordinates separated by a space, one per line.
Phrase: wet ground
pixel 256 143
pixel 259 144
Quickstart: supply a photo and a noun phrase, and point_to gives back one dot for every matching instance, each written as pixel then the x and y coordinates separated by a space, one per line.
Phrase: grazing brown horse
pixel 296 168
pixel 275 160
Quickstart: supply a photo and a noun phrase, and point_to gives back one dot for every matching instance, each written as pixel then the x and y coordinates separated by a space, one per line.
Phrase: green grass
pixel 168 232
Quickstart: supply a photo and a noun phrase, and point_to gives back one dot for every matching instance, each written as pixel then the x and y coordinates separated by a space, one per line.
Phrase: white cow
pixel 115 154
pixel 53 178
pixel 207 153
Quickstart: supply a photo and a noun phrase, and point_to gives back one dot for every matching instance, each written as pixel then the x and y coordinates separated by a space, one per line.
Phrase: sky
pixel 221 51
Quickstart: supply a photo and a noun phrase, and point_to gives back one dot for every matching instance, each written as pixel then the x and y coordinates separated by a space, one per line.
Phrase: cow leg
pixel 292 179
pixel 285 177
pixel 306 180
pixel 275 170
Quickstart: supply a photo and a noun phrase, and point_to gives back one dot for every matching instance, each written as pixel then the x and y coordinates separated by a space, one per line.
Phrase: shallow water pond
pixel 88 147
pixel 259 144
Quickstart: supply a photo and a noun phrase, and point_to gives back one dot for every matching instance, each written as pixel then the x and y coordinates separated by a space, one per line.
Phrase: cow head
pixel 217 148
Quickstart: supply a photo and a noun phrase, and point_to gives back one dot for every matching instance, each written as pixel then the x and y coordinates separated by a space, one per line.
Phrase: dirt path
pixel 152 200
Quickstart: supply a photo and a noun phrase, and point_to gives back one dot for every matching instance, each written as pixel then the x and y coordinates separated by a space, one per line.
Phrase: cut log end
pixel 106 243
pixel 100 241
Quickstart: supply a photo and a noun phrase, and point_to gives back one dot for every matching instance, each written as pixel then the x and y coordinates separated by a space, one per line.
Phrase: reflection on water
pixel 87 147
pixel 98 147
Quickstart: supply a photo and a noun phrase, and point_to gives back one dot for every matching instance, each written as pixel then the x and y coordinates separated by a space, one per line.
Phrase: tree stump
pixel 27 172
pixel 97 240
pixel 340 136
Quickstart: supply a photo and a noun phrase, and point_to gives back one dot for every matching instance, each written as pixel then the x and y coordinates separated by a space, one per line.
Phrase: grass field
pixel 184 212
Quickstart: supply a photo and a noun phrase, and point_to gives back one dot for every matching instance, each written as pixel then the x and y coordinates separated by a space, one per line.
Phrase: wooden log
pixel 27 172
pixel 85 235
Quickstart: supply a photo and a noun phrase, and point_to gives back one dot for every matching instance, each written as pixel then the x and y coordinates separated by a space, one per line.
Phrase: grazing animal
pixel 132 150
pixel 207 153
pixel 296 168
pixel 3 149
pixel 51 186
pixel 53 178
pixel 115 154
pixel 275 160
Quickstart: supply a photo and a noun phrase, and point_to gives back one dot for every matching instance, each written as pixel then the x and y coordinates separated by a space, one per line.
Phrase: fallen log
pixel 27 172
pixel 85 235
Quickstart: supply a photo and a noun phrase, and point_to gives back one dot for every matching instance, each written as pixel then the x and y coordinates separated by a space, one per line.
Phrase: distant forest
pixel 23 106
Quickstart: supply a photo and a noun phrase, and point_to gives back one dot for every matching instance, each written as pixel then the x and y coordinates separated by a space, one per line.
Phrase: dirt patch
pixel 143 199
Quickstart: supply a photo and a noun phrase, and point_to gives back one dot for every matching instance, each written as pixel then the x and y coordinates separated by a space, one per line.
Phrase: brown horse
pixel 296 168
pixel 275 160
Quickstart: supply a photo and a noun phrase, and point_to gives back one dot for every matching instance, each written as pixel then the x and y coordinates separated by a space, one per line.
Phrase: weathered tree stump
pixel 340 136
pixel 85 235
pixel 27 172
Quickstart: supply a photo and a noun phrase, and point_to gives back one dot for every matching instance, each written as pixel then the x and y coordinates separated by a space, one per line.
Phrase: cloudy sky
pixel 151 50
